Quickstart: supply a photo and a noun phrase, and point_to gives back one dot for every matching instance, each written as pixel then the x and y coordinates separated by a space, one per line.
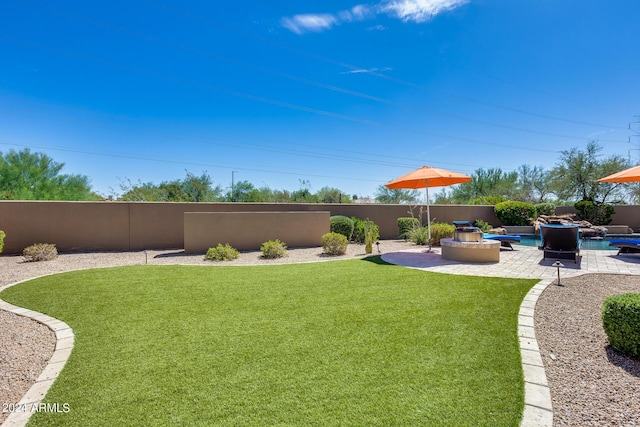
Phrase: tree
pixel 35 176
pixel 244 191
pixel 390 196
pixel 190 189
pixel 534 184
pixel 331 195
pixel 491 183
pixel 574 176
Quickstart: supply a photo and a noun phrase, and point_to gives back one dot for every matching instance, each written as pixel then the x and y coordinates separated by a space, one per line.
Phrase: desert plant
pixel 621 322
pixel 484 226
pixel 222 253
pixel 342 224
pixel 40 252
pixel 274 249
pixel 371 234
pixel 2 236
pixel 334 243
pixel 441 230
pixel 405 225
pixel 419 235
pixel 596 213
pixel 515 213
pixel 545 208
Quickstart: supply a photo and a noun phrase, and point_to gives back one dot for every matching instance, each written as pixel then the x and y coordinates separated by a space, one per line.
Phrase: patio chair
pixel 505 240
pixel 626 246
pixel 560 241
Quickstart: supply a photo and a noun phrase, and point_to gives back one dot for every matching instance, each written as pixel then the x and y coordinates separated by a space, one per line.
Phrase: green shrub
pixel 515 213
pixel 360 228
pixel 342 225
pixel 441 230
pixel 405 225
pixel 334 243
pixel 419 235
pixel 222 253
pixel 621 322
pixel 482 225
pixel 596 213
pixel 274 249
pixel 2 236
pixel 40 252
pixel 545 208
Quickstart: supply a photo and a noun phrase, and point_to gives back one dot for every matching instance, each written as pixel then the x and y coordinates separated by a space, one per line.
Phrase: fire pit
pixel 467 234
pixel 468 245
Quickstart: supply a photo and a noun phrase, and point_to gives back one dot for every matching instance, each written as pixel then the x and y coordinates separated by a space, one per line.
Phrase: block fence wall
pixel 132 226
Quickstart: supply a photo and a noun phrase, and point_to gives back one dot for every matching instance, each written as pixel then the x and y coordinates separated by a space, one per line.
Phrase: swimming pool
pixel 587 244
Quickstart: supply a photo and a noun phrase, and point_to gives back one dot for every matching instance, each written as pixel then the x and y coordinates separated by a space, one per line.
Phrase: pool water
pixel 587 244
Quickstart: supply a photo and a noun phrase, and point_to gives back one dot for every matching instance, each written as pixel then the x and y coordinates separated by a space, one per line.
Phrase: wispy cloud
pixel 419 10
pixel 367 70
pixel 309 22
pixel 407 10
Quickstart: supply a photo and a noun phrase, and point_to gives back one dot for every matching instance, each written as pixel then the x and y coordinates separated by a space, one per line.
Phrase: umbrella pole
pixel 428 216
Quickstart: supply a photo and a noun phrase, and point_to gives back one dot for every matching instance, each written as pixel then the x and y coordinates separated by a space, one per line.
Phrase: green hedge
pixel 2 236
pixel 405 225
pixel 621 322
pixel 342 225
pixel 515 213
pixel 545 208
pixel 595 212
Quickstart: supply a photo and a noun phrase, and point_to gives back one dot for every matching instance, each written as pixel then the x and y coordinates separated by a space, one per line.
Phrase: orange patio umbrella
pixel 627 175
pixel 426 177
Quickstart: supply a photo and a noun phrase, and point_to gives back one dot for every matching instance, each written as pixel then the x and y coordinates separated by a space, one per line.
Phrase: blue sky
pixel 341 94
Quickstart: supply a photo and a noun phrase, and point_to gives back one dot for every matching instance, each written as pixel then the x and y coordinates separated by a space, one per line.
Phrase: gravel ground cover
pixel 591 385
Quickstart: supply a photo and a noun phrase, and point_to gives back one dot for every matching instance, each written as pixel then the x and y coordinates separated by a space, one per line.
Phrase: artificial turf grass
pixel 346 342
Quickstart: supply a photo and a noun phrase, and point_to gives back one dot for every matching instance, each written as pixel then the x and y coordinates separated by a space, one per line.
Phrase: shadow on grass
pixel 377 259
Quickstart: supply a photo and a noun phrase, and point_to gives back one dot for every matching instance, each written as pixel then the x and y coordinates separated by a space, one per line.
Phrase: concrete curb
pixel 65 337
pixel 538 410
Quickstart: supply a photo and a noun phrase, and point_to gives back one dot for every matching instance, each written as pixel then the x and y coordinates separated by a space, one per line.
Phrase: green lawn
pixel 348 342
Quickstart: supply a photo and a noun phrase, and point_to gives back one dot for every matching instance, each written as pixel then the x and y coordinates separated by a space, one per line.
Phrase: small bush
pixel 441 230
pixel 621 322
pixel 40 252
pixel 222 253
pixel 342 225
pixel 419 235
pixel 545 208
pixel 360 228
pixel 596 213
pixel 405 225
pixel 515 213
pixel 334 243
pixel 274 249
pixel 2 236
pixel 482 225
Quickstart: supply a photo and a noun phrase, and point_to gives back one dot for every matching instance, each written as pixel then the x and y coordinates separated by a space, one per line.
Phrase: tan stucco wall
pixel 91 226
pixel 248 230
pixel 71 226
